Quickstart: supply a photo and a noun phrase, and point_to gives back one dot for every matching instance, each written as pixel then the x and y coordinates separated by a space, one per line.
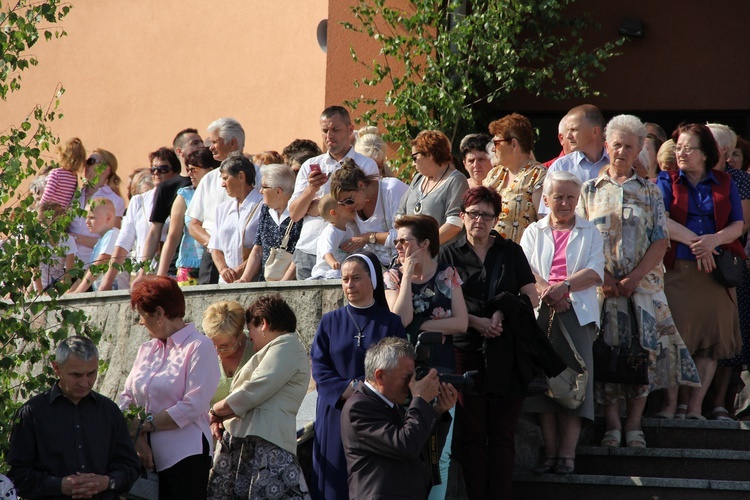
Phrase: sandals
pixel 545 467
pixel 612 439
pixel 665 415
pixel 720 413
pixel 565 466
pixel 695 416
pixel 681 411
pixel 635 439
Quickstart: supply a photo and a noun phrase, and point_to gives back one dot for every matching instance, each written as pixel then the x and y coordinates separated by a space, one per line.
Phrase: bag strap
pixel 247 223
pixel 285 241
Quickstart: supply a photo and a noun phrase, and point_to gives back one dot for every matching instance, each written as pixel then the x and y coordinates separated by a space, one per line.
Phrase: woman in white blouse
pixel 236 219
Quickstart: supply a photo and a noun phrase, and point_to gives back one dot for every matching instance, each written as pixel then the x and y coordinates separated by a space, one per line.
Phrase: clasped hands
pixel 556 297
pixel 81 485
pixel 704 249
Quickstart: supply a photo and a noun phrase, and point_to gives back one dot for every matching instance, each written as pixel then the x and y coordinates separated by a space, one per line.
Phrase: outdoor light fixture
pixel 631 27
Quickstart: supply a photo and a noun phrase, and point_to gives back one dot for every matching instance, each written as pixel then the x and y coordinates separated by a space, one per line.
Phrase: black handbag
pixel 621 364
pixel 728 270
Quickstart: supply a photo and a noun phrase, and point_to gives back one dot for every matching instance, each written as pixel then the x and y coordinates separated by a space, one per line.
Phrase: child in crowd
pixel 56 268
pixel 101 221
pixel 329 255
pixel 63 181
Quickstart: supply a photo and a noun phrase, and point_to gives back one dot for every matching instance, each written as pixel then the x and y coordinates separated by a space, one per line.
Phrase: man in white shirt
pixel 314 181
pixel 585 133
pixel 226 136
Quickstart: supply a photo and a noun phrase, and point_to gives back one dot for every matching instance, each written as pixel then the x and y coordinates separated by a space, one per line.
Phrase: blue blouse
pixel 700 212
pixel 191 251
pixel 270 235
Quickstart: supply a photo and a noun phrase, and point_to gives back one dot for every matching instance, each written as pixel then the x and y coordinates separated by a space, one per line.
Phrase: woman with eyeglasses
pixel 199 163
pixel 489 266
pixel 224 323
pixel 374 202
pixel 518 178
pixel 102 181
pixel 236 219
pixel 437 188
pixel 704 212
pixel 427 295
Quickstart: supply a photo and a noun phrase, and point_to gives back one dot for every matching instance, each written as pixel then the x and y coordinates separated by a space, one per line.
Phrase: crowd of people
pixel 527 272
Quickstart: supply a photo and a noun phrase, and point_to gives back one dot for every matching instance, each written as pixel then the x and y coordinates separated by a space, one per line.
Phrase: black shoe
pixel 545 467
pixel 565 465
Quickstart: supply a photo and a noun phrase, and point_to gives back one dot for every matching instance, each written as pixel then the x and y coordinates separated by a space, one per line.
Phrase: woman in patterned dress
pixel 256 457
pixel 427 296
pixel 518 178
pixel 629 212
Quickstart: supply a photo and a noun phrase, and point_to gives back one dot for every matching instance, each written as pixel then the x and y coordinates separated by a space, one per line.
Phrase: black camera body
pixel 423 364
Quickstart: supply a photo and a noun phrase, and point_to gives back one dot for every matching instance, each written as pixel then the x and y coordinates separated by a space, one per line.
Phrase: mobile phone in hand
pixel 314 167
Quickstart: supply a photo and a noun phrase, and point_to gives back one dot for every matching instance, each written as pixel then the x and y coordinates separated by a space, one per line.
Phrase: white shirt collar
pixel 368 384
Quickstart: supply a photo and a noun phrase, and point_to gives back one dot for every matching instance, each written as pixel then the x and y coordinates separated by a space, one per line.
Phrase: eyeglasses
pixel 161 169
pixel 414 155
pixel 226 348
pixel 402 241
pixel 497 142
pixel 93 161
pixel 477 215
pixel 685 149
pixel 264 188
pixel 347 202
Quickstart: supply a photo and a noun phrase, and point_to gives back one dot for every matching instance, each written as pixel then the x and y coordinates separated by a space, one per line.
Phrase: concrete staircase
pixel 685 460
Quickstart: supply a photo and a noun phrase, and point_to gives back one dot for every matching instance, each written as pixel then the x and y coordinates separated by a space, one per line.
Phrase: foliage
pixel 440 61
pixel 30 325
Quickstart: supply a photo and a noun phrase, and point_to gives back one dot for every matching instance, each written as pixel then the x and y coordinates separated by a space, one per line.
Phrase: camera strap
pixel 434 450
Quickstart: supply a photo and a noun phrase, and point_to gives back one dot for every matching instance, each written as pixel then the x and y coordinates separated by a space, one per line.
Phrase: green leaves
pixel 442 61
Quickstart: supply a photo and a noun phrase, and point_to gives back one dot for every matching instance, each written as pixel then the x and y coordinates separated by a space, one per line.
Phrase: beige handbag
pixel 568 389
pixel 279 259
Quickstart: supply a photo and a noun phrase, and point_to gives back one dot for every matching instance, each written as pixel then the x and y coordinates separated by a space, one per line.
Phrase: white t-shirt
pixel 78 226
pixel 390 192
pixel 313 226
pixel 106 245
pixel 235 228
pixel 135 224
pixel 55 270
pixel 328 242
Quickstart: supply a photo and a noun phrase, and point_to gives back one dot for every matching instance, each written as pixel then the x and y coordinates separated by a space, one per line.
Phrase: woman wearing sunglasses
pixel 437 188
pixel 102 181
pixel 374 202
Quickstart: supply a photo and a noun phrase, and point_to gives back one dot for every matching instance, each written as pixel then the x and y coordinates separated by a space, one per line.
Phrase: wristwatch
pixel 112 483
pixel 150 420
pixel 373 240
pixel 567 283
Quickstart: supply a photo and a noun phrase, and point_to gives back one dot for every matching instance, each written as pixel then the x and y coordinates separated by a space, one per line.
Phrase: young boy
pixel 101 221
pixel 56 269
pixel 329 255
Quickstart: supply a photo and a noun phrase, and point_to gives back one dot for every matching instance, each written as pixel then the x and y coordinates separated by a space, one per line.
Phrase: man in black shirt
pixel 71 441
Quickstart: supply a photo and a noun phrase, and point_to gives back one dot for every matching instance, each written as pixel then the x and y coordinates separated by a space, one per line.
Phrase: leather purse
pixel 728 270
pixel 279 259
pixel 568 389
pixel 621 364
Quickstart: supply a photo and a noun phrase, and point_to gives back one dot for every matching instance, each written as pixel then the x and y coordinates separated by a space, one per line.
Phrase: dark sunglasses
pixel 346 203
pixel 162 169
pixel 92 161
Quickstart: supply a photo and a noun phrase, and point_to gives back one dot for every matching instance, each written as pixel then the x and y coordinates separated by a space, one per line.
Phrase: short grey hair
pixel 82 347
pixel 626 124
pixel 559 176
pixel 279 176
pixel 724 136
pixel 385 354
pixel 562 126
pixel 228 129
pixel 237 162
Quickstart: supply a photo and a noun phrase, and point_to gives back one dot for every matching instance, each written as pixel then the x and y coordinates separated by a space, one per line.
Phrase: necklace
pixel 359 335
pixel 418 205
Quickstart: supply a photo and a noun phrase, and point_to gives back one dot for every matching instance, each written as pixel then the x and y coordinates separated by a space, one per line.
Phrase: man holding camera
pixel 387 446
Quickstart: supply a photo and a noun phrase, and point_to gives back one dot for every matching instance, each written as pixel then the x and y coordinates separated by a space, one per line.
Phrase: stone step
pixel 595 487
pixel 692 434
pixel 726 465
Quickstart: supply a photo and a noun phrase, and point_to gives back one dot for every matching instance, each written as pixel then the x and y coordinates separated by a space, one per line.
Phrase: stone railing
pixel 122 334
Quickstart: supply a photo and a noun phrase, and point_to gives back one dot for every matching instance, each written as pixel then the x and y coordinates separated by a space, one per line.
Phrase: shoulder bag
pixel 617 364
pixel 568 389
pixel 728 270
pixel 279 259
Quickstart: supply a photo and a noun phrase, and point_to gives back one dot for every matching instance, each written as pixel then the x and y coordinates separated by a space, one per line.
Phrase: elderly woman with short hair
pixel 629 213
pixel 705 213
pixel 236 219
pixel 518 178
pixel 566 257
pixel 437 188
pixel 277 187
pixel 477 161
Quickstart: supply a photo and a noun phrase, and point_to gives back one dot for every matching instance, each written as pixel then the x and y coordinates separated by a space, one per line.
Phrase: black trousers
pixel 187 479
pixel 208 274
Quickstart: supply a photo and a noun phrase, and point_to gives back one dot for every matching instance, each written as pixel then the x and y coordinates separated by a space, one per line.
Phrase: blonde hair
pixel 325 205
pixel 225 318
pixel 113 181
pixel 72 155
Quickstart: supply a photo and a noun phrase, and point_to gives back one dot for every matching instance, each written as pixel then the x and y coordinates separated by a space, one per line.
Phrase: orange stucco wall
pixel 138 71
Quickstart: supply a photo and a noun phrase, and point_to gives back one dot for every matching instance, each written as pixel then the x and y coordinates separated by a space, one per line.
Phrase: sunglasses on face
pixel 161 169
pixel 93 161
pixel 346 203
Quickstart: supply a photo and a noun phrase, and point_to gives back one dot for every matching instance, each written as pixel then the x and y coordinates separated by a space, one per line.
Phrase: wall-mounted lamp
pixel 631 27
pixel 323 35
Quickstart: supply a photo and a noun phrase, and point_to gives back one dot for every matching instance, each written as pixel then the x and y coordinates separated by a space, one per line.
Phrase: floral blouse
pixel 430 300
pixel 518 210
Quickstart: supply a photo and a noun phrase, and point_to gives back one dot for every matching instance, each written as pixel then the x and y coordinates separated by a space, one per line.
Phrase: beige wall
pixel 138 71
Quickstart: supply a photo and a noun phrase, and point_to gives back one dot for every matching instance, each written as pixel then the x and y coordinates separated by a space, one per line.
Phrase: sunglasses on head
pixel 93 161
pixel 161 169
pixel 347 202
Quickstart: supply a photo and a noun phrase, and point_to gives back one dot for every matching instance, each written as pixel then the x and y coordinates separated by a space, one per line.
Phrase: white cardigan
pixel 584 250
